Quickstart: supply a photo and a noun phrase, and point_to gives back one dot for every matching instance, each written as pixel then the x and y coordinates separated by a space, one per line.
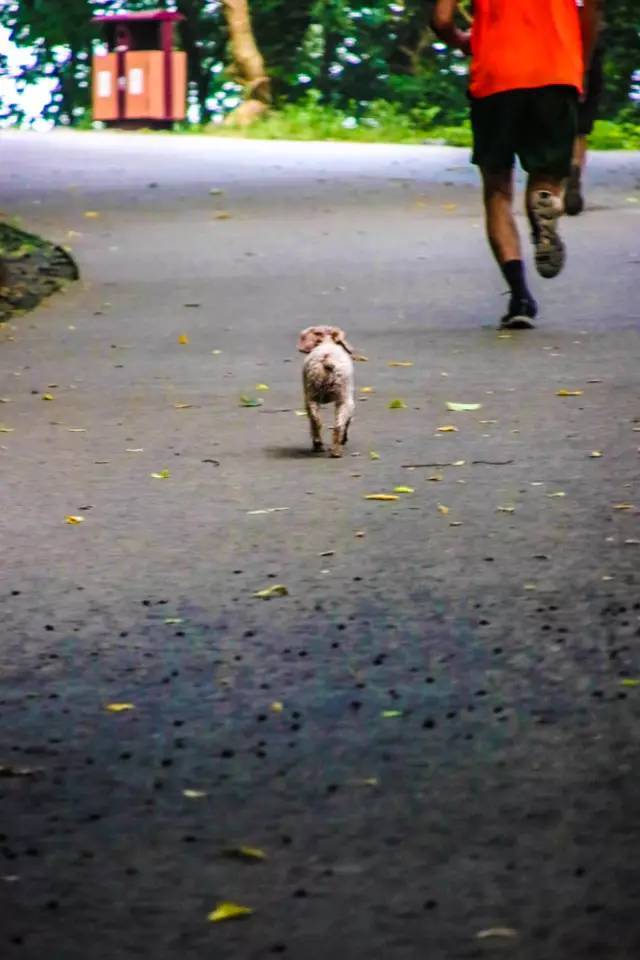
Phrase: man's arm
pixel 590 22
pixel 444 26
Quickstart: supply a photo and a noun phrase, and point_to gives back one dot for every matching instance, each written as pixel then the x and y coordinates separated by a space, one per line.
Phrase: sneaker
pixel 522 311
pixel 573 199
pixel 549 248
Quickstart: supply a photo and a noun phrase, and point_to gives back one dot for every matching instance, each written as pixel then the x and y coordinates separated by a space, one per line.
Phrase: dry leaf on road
pixel 277 590
pixel 381 496
pixel 462 407
pixel 228 911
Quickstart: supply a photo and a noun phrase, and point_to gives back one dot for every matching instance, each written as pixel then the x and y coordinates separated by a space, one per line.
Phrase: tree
pixel 249 64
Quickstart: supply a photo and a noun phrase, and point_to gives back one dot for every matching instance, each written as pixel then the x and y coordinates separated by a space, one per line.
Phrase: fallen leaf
pixel 73 520
pixel 4 429
pixel 262 386
pixel 360 534
pixel 277 590
pixel 254 513
pixel 462 407
pixel 389 714
pixel 76 430
pixel 216 353
pixel 172 620
pixel 245 853
pixel 360 358
pixel 629 682
pixel 400 363
pixel 119 707
pixel 246 401
pixel 504 932
pixel 300 413
pixel 134 450
pixel 397 405
pixel 373 455
pixel 194 794
pixel 222 215
pixel 455 523
pixel 505 509
pixel 631 542
pixel 277 706
pixel 366 782
pixel 622 506
pixel 449 207
pixel 11 771
pixel 435 478
pixel 228 911
pixel 47 396
pixel 5 399
pixel 595 454
pixel 403 490
pixel 442 509
pixel 161 475
pixel 182 406
pixel 458 463
pixel 558 493
pixel 183 339
pixel 91 214
pixel 366 390
pixel 447 428
pixel 569 393
pixel 216 192
pixel 380 496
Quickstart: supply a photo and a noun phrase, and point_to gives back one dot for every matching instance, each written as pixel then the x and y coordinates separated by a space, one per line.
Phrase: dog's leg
pixel 313 412
pixel 344 413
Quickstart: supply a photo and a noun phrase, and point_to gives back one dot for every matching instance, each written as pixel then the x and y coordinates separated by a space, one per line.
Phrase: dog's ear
pixel 307 340
pixel 339 337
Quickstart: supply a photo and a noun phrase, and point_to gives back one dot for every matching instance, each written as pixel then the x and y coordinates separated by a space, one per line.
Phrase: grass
pixel 387 123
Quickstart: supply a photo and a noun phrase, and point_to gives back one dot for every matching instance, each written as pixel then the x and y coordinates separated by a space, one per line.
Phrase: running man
pixel 527 65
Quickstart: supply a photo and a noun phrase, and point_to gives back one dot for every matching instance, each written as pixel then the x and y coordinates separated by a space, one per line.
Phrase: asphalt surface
pixel 434 736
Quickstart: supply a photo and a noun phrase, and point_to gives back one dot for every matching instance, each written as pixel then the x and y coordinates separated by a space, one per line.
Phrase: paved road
pixel 434 737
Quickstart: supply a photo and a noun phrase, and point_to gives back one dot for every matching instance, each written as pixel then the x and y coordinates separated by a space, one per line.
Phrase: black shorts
pixel 538 125
pixel 588 109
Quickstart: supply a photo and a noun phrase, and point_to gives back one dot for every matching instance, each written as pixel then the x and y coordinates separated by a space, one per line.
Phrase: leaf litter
pixel 277 590
pixel 229 911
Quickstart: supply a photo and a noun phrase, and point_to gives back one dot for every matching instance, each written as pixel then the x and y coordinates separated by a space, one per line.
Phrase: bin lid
pixel 123 17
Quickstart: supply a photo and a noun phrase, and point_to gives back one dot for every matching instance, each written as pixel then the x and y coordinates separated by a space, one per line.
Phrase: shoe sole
pixel 518 322
pixel 549 248
pixel 573 202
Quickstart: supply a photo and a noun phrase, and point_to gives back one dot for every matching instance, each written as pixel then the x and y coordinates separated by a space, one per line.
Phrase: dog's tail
pixel 328 363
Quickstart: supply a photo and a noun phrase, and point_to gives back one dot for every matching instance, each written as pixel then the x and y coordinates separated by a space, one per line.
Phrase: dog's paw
pixel 336 452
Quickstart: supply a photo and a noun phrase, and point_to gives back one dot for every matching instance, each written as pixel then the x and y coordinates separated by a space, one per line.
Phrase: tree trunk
pixel 249 65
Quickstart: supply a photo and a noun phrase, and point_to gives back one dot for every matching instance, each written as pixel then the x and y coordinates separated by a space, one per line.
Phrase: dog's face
pixel 312 337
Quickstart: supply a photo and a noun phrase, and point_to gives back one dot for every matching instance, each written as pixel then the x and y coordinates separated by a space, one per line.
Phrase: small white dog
pixel 327 376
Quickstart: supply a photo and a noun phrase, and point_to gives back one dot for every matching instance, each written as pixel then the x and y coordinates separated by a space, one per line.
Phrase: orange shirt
pixel 524 43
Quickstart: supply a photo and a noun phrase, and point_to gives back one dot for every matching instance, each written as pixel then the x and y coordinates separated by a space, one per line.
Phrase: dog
pixel 327 377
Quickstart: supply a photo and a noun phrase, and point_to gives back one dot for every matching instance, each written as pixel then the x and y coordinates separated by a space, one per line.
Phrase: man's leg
pixel 504 240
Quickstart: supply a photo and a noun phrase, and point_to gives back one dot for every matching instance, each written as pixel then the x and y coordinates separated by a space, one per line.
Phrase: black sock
pixel 513 272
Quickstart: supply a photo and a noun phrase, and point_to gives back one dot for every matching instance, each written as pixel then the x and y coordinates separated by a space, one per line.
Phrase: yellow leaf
pixel 161 475
pixel 73 520
pixel 629 682
pixel 397 405
pixel 182 406
pixel 403 490
pixel 262 386
pixel 194 794
pixel 173 620
pixel 4 429
pixel 622 506
pixel 400 363
pixel 462 407
pixel 505 509
pixel 569 393
pixel 246 853
pixel 558 493
pixel 119 707
pixel 360 358
pixel 503 932
pixel 277 706
pixel 448 428
pixel 380 496
pixel 595 454
pixel 277 590
pixel 47 396
pixel 389 714
pixel 449 207
pixel 458 463
pixel 442 509
pixel 222 215
pixel 373 455
pixel 228 911
pixel 183 339
pixel 366 390
pixel 301 413
pixel 91 214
